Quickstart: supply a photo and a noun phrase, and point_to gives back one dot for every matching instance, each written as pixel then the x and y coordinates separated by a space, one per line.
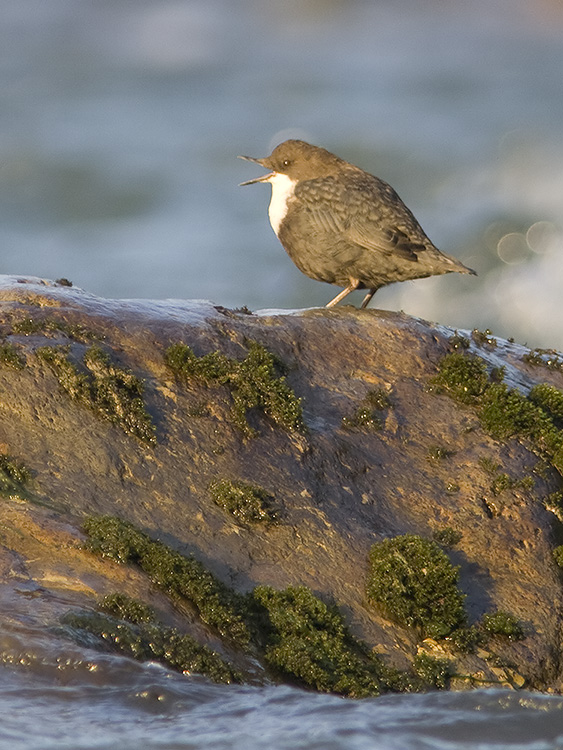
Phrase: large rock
pixel 336 487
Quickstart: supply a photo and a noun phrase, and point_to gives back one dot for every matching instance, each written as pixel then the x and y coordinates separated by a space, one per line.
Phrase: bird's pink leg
pixel 352 286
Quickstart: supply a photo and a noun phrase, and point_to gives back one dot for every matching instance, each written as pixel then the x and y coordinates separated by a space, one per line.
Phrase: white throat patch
pixel 282 191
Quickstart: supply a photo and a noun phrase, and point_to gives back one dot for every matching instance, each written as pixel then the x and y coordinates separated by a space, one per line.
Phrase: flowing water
pixel 58 695
pixel 96 702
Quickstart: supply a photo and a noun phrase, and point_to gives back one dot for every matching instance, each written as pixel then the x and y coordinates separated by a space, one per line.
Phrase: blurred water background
pixel 120 122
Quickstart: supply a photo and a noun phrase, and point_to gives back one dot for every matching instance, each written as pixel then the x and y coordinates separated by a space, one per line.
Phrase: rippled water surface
pixel 55 694
pixel 109 702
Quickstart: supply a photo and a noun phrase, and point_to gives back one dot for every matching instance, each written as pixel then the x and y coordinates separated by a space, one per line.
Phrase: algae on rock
pixel 367 414
pixel 10 356
pixel 147 640
pixel 301 637
pixel 246 502
pixel 176 574
pixel 14 476
pixel 309 641
pixel 76 331
pixel 415 582
pixel 505 412
pixel 111 392
pixel 254 382
pixel 503 624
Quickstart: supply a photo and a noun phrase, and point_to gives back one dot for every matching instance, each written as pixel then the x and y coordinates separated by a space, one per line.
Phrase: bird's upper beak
pixel 262 162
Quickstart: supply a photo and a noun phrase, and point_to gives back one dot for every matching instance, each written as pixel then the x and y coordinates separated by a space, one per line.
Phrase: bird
pixel 344 226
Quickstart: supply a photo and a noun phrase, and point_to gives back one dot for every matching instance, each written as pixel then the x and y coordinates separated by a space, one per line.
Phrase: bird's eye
pixel 286 162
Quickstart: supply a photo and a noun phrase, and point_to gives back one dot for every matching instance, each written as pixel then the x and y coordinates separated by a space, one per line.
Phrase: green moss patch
pixel 367 415
pixel 145 640
pixel 466 639
pixel 447 537
pixel 550 400
pixel 439 453
pixel 14 476
pixel 111 392
pixel 178 575
pixel 464 377
pixel 416 584
pixel 558 555
pixel 484 338
pixel 457 341
pixel 548 358
pixel 308 641
pixel 501 481
pixel 505 412
pixel 246 502
pixel 256 382
pixel 11 357
pixel 300 637
pixel 75 331
pixel 504 624
pixel 435 671
pixel 126 608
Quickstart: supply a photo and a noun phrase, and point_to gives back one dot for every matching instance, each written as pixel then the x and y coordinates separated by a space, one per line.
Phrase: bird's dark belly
pixel 323 256
pixel 330 257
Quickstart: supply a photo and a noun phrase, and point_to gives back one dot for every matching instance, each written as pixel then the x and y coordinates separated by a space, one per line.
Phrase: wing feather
pixel 365 211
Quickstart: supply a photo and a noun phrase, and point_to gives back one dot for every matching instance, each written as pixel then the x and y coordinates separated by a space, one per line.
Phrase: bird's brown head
pixel 298 160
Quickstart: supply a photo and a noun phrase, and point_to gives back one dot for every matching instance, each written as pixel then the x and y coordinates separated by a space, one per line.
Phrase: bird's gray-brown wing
pixel 366 212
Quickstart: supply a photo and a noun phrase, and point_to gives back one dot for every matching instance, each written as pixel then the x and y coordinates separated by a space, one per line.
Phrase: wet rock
pixel 348 471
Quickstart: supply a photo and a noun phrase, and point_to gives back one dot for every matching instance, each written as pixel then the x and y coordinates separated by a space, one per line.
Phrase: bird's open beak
pixel 264 178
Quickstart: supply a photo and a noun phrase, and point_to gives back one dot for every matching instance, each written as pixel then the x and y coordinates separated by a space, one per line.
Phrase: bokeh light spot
pixel 513 248
pixel 542 236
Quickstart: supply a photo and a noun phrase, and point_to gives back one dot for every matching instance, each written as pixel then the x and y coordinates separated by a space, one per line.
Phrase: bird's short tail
pixel 459 267
pixel 465 269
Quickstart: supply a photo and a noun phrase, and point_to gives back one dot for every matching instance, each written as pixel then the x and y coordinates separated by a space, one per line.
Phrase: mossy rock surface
pixel 336 492
pixel 255 382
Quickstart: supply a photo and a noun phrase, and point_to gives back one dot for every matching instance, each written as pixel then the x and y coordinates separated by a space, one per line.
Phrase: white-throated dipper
pixel 344 226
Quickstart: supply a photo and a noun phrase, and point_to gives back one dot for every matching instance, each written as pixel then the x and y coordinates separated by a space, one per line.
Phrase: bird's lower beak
pixel 264 178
